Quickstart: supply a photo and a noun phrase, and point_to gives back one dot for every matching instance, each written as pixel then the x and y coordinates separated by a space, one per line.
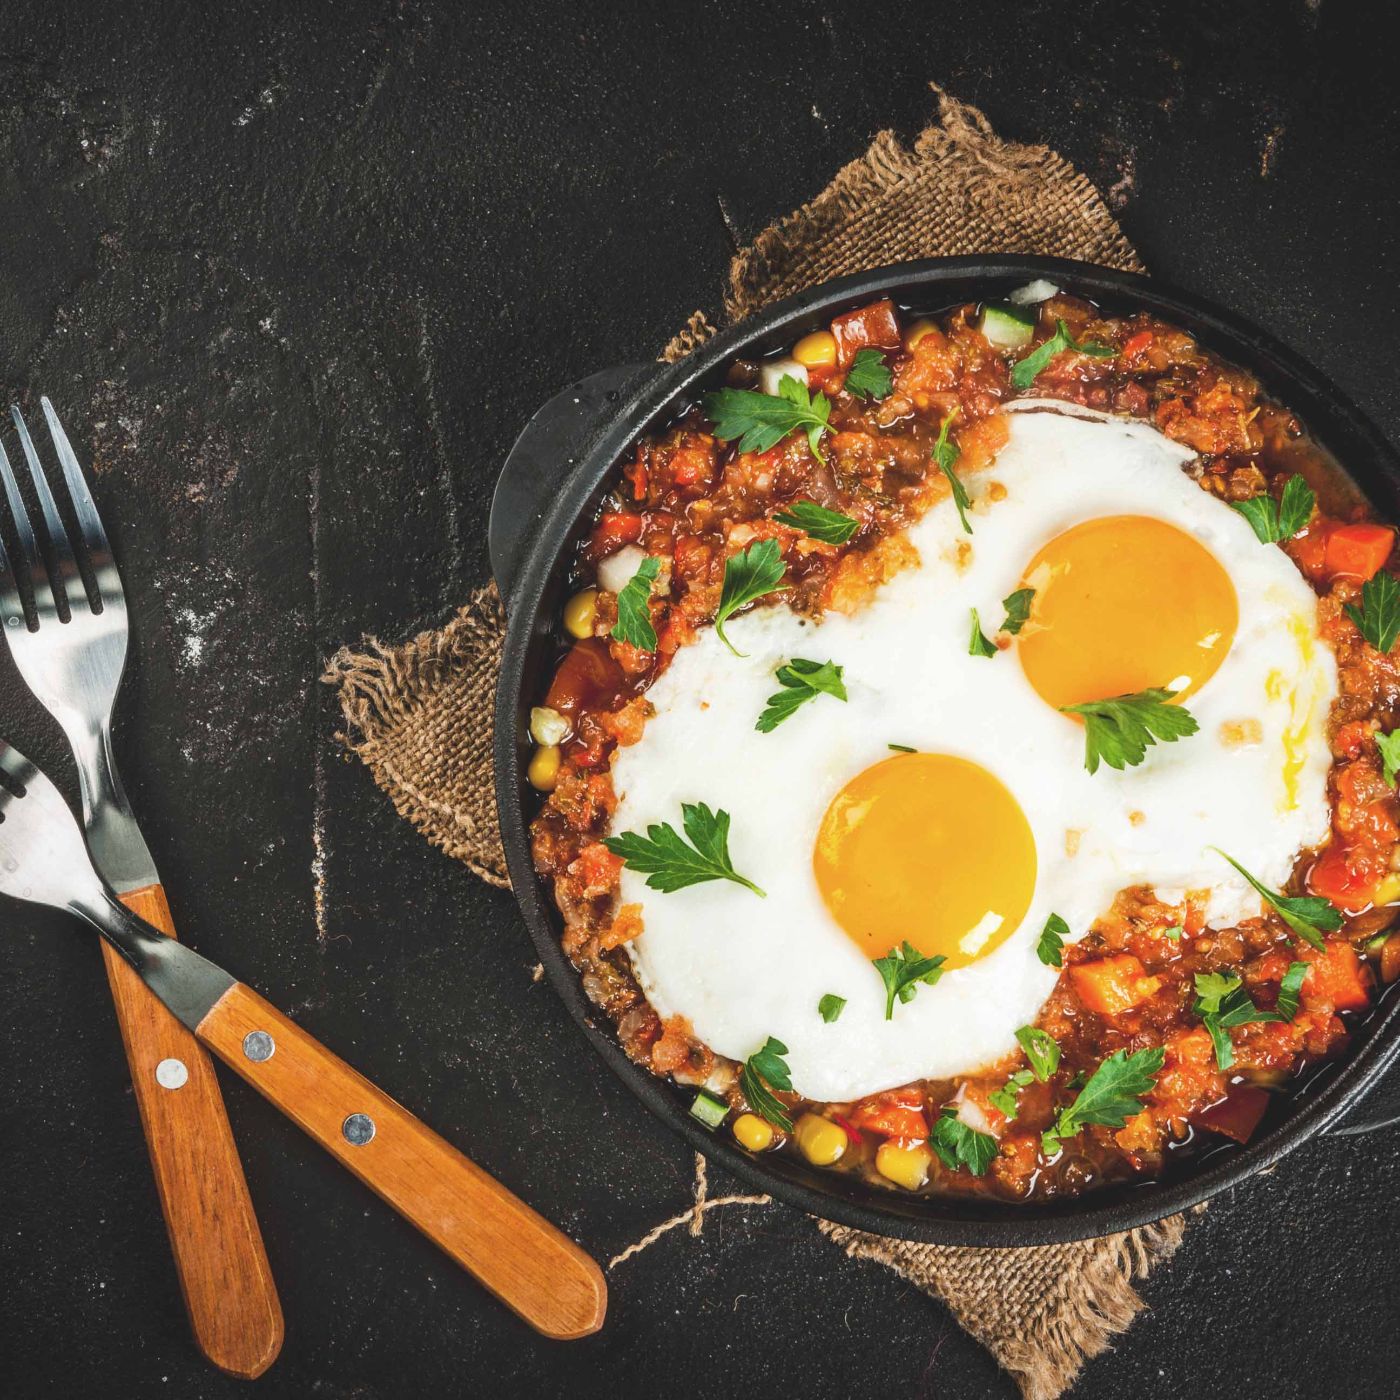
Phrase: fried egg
pixel 965 846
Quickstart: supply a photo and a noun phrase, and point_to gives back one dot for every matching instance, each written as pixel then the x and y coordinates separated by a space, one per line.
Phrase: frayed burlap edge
pixel 1041 1312
pixel 420 715
pixel 444 684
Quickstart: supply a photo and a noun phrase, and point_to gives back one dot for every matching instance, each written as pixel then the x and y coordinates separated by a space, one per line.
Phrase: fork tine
pixel 28 545
pixel 109 584
pixel 68 575
pixel 18 769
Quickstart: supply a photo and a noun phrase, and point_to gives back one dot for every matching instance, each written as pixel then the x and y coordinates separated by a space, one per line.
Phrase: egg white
pixel 742 968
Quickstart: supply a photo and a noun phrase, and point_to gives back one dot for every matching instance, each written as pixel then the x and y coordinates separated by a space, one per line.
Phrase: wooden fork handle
pixel 530 1266
pixel 224 1274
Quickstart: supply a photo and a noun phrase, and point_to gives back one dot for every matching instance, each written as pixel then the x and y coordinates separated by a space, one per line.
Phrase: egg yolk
pixel 929 849
pixel 1122 604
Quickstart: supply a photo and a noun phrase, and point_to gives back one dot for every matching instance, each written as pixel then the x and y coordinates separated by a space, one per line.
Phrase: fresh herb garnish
pixel 1222 1003
pixel 1378 617
pixel 1023 373
pixel 869 377
pixel 1042 1050
pixel 1308 915
pixel 945 456
pixel 1119 731
pixel 1174 932
pixel 979 645
pixel 903 969
pixel 830 1007
pixel 1112 1095
pixel 764 1071
pixel 1289 989
pixel 633 623
pixel 958 1145
pixel 1051 947
pixel 828 526
pixel 1389 747
pixel 901 748
pixel 1004 1099
pixel 801 681
pixel 1276 520
pixel 761 421
pixel 669 864
pixel 1018 609
pixel 751 574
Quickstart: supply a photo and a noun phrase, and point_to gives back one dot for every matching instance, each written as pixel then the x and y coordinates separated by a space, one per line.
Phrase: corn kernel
pixel 917 332
pixel 544 768
pixel 547 726
pixel 1387 892
pixel 579 613
pixel 905 1166
pixel 821 1141
pixel 816 351
pixel 753 1132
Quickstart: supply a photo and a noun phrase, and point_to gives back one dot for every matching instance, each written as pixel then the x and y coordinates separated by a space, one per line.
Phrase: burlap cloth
pixel 420 714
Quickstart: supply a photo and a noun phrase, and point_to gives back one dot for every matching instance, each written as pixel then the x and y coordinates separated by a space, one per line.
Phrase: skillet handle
pixel 550 445
pixel 537 1272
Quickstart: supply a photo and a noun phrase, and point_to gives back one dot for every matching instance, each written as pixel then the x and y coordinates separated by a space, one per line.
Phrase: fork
pixel 534 1269
pixel 70 648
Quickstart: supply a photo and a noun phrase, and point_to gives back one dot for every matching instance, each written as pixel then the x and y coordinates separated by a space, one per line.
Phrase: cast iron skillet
pixel 546 499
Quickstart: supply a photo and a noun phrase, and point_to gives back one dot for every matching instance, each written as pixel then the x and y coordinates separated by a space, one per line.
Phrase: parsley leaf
pixel 902 970
pixel 1112 1095
pixel 669 864
pixel 869 377
pixel 1378 617
pixel 1004 1099
pixel 1309 916
pixel 958 1145
pixel 1221 1003
pixel 945 456
pixel 801 681
pixel 1282 519
pixel 1119 731
pixel 633 623
pixel 979 645
pixel 751 574
pixel 830 1007
pixel 1289 989
pixel 1042 1050
pixel 761 421
pixel 764 1071
pixel 828 526
pixel 1024 372
pixel 1389 746
pixel 1018 609
pixel 1051 948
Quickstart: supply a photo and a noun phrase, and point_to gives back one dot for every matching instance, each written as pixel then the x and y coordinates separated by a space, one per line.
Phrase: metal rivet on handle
pixel 358 1129
pixel 172 1074
pixel 258 1045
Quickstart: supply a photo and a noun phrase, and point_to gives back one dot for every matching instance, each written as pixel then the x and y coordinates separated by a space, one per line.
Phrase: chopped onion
pixel 771 374
pixel 547 726
pixel 1033 292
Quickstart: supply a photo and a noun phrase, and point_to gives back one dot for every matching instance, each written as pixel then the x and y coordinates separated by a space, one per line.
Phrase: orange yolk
pixel 926 848
pixel 1122 604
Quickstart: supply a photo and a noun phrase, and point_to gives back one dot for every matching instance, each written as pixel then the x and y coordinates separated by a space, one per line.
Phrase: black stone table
pixel 295 274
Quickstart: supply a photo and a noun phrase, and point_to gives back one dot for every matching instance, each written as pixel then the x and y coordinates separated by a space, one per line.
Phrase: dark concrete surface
pixel 295 275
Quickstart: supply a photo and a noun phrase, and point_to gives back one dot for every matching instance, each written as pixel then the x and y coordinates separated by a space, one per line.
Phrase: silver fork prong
pixel 109 584
pixel 18 769
pixel 68 576
pixel 28 544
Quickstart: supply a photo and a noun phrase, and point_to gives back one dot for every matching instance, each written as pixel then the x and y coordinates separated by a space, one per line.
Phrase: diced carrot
pixel 874 326
pixel 1345 875
pixel 1136 344
pixel 1338 976
pixel 1237 1115
pixel 1358 551
pixel 1114 985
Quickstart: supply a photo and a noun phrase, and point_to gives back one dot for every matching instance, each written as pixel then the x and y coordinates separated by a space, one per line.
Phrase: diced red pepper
pixel 636 473
pixel 897 1113
pixel 1358 551
pixel 867 327
pixel 1136 344
pixel 1111 986
pixel 1237 1115
pixel 615 528
pixel 1338 976
pixel 1345 875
